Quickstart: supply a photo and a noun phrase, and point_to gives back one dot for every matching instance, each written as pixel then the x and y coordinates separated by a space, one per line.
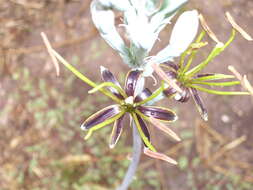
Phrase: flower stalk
pixel 137 150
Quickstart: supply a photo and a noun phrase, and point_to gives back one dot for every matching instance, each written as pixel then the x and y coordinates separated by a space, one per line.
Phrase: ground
pixel 41 144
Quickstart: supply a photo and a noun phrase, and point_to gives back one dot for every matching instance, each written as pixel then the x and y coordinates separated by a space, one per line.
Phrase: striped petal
pixel 116 131
pixel 100 116
pixel 170 65
pixel 144 128
pixel 184 96
pixel 131 82
pixel 199 103
pixel 107 76
pixel 143 95
pixel 160 72
pixel 171 74
pixel 139 86
pixel 160 113
pixel 169 92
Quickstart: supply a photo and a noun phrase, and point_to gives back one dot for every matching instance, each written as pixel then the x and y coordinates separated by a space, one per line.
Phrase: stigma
pixel 129 100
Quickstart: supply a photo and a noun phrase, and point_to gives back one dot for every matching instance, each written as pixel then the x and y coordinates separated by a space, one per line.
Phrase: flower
pixel 186 92
pixel 143 21
pixel 130 100
pixel 184 82
pixel 183 34
pixel 133 103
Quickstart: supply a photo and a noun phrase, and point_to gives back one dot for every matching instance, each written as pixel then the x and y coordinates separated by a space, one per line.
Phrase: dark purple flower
pixel 131 102
pixel 171 70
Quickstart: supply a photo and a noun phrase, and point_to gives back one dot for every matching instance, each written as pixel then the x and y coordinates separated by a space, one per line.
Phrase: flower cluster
pixel 143 21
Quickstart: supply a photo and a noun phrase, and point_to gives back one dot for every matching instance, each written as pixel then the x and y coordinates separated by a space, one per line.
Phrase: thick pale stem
pixel 137 150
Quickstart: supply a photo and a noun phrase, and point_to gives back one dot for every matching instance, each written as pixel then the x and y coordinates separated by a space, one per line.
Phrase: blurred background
pixel 41 144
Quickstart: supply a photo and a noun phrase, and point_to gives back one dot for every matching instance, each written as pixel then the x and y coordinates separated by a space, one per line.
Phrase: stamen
pixel 243 79
pixel 177 96
pixel 237 27
pixel 159 156
pixel 163 75
pixel 208 30
pixel 129 100
pixel 102 68
pixel 235 72
pixel 247 85
pixel 196 46
pixel 164 128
